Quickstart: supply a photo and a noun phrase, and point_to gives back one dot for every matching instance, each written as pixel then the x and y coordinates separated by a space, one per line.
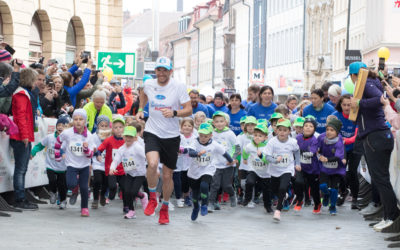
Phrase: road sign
pixel 122 64
pixel 351 56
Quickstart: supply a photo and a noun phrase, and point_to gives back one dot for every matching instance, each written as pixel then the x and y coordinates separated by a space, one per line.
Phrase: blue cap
pixel 355 67
pixel 164 62
pixel 146 77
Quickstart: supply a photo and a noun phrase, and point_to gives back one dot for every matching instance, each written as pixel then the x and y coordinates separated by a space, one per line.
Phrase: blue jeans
pixel 22 155
pixel 72 181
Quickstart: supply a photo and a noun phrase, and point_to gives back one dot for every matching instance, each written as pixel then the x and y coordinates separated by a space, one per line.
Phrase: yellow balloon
pixel 383 52
pixel 109 73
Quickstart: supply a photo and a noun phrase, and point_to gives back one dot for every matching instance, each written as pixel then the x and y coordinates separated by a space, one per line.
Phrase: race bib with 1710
pixel 128 164
pixel 286 159
pixel 204 160
pixel 76 148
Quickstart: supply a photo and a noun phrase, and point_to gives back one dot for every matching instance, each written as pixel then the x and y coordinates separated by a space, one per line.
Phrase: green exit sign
pixel 122 64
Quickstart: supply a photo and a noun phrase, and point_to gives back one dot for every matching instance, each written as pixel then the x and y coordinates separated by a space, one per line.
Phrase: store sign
pixel 351 56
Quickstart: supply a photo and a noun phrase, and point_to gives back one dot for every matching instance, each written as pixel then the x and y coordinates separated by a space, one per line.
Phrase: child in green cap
pixel 283 154
pixel 259 172
pixel 273 121
pixel 298 126
pixel 202 169
pixel 133 160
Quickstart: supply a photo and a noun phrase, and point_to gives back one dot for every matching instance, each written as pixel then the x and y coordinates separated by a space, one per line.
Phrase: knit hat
pixel 311 120
pixel 5 55
pixel 64 119
pixel 102 118
pixel 80 112
pixel 336 124
pixel 219 95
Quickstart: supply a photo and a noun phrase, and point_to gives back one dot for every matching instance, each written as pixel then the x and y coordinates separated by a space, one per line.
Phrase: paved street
pixel 239 228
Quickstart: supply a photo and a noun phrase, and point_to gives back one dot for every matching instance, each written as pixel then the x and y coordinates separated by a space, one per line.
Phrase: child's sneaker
pixel 251 205
pixel 73 198
pixel 125 210
pixel 277 215
pixel 107 201
pixel 325 200
pixel 171 206
pixel 298 206
pixel 151 207
pixel 63 204
pixel 317 209
pixel 268 209
pixel 180 202
pixel 164 217
pixel 217 206
pixel 188 201
pixel 85 212
pixel 204 210
pixel 195 213
pixel 130 215
pixel 103 201
pixel 95 204
pixel 53 198
pixel 286 206
pixel 332 210
pixel 144 201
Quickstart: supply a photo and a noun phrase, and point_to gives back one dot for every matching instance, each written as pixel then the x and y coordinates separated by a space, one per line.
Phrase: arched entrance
pixel 40 37
pixel 75 40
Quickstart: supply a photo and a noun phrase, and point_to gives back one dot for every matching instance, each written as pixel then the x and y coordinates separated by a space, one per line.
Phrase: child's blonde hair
pixel 226 117
pixel 187 120
pixel 200 114
pixel 283 109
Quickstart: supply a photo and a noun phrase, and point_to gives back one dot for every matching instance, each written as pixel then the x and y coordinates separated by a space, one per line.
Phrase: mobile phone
pixel 10 49
pixel 85 56
pixel 385 94
pixel 381 63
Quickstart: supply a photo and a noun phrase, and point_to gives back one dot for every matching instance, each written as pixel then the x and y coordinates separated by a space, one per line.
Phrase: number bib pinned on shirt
pixel 50 152
pixel 305 159
pixel 333 164
pixel 76 148
pixel 257 164
pixel 204 160
pixel 128 164
pixel 286 159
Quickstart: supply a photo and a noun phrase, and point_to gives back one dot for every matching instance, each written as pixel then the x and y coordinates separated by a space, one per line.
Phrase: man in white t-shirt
pixel 161 135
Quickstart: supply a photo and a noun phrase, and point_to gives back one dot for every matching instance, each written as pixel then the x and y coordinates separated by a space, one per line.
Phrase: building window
pixel 321 31
pixel 35 41
pixel 71 44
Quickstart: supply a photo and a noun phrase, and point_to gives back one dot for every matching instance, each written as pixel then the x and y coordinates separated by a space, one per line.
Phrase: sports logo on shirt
pixel 160 97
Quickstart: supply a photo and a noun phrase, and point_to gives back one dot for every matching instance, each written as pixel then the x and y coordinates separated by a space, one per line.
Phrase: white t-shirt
pixel 170 96
pixel 228 140
pixel 98 165
pixel 133 159
pixel 255 163
pixel 73 143
pixel 242 140
pixel 203 165
pixel 51 163
pixel 184 160
pixel 286 149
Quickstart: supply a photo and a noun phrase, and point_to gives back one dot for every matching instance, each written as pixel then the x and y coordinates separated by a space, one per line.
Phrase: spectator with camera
pixel 49 100
pixel 116 100
pixel 9 80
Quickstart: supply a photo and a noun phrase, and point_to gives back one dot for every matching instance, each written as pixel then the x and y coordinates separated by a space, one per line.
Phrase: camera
pixel 381 63
pixel 85 55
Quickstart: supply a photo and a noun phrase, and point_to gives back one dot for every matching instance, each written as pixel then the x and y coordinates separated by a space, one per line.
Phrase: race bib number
pixel 333 164
pixel 76 148
pixel 305 159
pixel 204 160
pixel 258 164
pixel 114 152
pixel 128 164
pixel 50 152
pixel 286 159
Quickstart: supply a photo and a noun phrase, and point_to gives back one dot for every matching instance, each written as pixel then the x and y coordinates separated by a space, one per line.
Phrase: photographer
pixel 113 101
pixel 50 101
pixel 9 80
pixel 65 103
pixel 74 89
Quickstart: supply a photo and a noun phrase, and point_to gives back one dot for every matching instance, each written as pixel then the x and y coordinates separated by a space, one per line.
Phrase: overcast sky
pixel 137 6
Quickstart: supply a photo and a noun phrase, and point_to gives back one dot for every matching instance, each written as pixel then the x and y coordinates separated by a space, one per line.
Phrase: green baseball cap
pixel 130 131
pixel 219 113
pixel 119 119
pixel 243 119
pixel 262 127
pixel 264 121
pixel 205 128
pixel 251 119
pixel 299 122
pixel 209 121
pixel 284 123
pixel 276 116
pixel 310 117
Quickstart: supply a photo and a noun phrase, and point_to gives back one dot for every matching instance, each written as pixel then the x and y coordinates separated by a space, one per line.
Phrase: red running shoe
pixel 151 207
pixel 164 217
pixel 317 210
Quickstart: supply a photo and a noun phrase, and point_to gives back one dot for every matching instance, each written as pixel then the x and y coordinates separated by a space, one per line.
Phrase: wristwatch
pixel 175 113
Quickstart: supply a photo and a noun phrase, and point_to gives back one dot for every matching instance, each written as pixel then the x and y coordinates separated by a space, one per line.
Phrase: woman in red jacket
pixel 23 116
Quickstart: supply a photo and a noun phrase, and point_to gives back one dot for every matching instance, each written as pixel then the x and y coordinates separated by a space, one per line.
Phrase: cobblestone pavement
pixel 230 228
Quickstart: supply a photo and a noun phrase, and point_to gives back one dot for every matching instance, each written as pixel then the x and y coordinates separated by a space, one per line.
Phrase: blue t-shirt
pixel 201 107
pixel 331 103
pixel 210 111
pixel 235 121
pixel 260 112
pixel 223 108
pixel 348 128
pixel 319 115
pixel 248 106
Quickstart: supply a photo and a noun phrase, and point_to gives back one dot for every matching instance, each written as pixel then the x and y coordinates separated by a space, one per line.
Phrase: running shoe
pixel 286 206
pixel 130 215
pixel 251 205
pixel 180 203
pixel 277 215
pixel 188 201
pixel 103 201
pixel 95 204
pixel 195 213
pixel 73 198
pixel 217 206
pixel 382 225
pixel 63 204
pixel 85 212
pixel 325 200
pixel 151 207
pixel 204 210
pixel 164 217
pixel 317 210
pixel 171 206
pixel 298 206
pixel 26 205
pixel 53 198
pixel 268 209
pixel 307 203
pixel 332 210
pixel 144 201
pixel 354 204
pixel 125 210
pixel 342 198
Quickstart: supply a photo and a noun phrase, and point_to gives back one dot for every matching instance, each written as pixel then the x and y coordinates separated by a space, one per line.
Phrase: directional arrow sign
pixel 122 64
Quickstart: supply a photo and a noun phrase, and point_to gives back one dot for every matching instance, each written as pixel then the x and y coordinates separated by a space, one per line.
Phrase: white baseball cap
pixel 164 62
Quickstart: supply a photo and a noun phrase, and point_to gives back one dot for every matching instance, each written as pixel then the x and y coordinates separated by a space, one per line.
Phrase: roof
pixel 141 25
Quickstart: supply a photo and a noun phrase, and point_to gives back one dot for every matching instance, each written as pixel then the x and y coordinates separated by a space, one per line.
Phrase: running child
pixel 79 146
pixel 273 121
pixel 100 181
pixel 202 170
pixel 259 172
pixel 310 170
pixel 332 163
pixel 132 157
pixel 55 170
pixel 224 174
pixel 298 126
pixel 283 154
